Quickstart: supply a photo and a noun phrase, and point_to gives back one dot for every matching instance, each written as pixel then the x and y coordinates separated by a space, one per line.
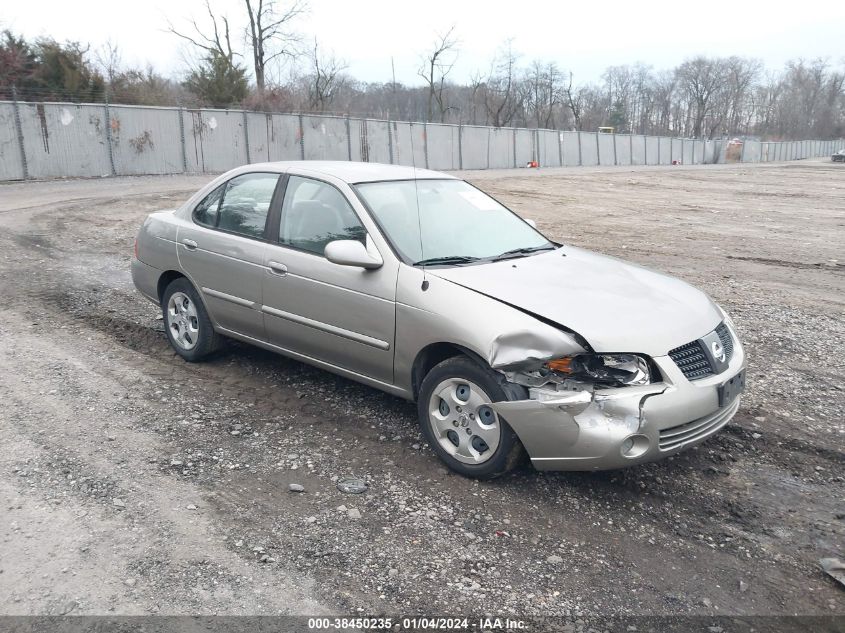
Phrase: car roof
pixel 351 172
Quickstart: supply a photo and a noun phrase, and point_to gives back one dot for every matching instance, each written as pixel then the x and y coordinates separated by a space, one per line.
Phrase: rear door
pixel 341 315
pixel 222 250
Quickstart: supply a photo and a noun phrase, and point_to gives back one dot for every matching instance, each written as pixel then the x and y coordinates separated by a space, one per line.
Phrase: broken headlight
pixel 612 370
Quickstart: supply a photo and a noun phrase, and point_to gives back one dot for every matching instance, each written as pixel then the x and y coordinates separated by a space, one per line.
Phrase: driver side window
pixel 315 213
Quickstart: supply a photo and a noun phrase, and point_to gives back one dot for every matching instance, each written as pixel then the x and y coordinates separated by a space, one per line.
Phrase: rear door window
pixel 239 206
pixel 246 203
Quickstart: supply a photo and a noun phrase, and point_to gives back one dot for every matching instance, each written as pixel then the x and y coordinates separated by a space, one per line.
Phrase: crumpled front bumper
pixel 589 431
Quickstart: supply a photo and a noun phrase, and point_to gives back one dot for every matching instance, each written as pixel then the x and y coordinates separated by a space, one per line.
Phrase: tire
pixel 186 322
pixel 459 436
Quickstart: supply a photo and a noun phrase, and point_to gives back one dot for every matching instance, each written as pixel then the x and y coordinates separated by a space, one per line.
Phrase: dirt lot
pixel 133 483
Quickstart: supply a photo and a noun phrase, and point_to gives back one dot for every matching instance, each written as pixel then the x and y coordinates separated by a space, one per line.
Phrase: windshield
pixel 456 221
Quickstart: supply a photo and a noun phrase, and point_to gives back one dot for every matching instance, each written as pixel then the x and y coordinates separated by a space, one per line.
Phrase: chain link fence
pixel 62 140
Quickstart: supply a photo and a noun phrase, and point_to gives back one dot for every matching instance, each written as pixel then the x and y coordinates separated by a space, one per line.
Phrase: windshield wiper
pixel 449 259
pixel 518 252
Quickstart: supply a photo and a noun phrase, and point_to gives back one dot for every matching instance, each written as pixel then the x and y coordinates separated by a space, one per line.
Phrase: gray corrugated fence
pixel 58 140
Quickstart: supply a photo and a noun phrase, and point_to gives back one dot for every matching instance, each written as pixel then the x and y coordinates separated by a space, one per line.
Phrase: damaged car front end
pixel 595 420
pixel 573 404
pixel 653 366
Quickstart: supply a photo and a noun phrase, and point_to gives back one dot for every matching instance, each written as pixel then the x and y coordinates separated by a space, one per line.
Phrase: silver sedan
pixel 419 284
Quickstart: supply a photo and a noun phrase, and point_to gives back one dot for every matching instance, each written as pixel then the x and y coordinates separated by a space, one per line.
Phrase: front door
pixel 341 315
pixel 222 250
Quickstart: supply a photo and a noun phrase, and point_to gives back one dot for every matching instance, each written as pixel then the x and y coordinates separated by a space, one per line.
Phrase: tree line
pixel 273 67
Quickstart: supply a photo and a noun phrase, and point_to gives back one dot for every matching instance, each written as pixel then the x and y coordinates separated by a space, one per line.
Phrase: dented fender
pixel 501 335
pixel 526 348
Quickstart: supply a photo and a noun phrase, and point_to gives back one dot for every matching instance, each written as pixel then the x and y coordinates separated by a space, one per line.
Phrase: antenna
pixel 417 198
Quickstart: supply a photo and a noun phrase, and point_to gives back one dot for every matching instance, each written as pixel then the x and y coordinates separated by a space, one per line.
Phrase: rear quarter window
pixel 206 212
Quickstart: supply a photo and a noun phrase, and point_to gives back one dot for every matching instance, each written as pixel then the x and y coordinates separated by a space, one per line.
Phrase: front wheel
pixel 459 424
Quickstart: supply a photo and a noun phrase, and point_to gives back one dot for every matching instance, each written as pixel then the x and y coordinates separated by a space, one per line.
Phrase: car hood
pixel 614 305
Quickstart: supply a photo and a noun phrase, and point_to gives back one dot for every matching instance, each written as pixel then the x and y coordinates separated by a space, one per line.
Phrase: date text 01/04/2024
pixel 419 623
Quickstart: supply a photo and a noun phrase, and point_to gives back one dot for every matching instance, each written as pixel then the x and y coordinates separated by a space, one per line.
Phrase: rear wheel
pixel 187 323
pixel 459 424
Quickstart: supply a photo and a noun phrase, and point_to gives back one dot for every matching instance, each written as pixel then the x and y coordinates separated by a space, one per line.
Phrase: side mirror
pixel 352 253
pixel 530 223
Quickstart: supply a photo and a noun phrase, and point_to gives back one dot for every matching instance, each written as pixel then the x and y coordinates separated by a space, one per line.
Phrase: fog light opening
pixel 634 446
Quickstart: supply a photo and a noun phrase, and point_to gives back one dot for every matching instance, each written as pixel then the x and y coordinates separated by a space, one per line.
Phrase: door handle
pixel 189 244
pixel 277 268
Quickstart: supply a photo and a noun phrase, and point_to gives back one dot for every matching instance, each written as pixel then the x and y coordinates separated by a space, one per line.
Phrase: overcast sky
pixel 584 37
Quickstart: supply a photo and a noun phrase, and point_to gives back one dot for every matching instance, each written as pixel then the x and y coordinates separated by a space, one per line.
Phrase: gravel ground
pixel 134 483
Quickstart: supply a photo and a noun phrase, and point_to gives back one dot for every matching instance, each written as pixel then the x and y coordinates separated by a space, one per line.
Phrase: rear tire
pixel 467 435
pixel 186 322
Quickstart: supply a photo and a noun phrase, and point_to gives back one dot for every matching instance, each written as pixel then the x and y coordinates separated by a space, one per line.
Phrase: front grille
pixel 682 434
pixel 727 340
pixel 691 360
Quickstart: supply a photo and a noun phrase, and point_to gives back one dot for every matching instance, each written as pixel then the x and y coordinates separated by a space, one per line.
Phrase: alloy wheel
pixel 182 320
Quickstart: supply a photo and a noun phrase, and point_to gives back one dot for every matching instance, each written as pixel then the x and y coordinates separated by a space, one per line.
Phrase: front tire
pixel 458 423
pixel 187 323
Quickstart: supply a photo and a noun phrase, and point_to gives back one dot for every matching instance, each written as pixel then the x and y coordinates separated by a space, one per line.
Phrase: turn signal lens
pixel 562 365
pixel 613 370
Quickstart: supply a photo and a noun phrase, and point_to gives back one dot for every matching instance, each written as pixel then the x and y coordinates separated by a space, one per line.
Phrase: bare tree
pixel 574 101
pixel 270 34
pixel 217 42
pixel 139 86
pixel 662 95
pixel 806 85
pixel 742 75
pixel 642 97
pixel 619 83
pixel 701 78
pixel 324 80
pixel 109 60
pixel 436 66
pixel 544 93
pixel 474 94
pixel 768 94
pixel 502 95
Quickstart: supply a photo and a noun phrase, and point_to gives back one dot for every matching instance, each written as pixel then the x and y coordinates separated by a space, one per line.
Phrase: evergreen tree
pixel 64 73
pixel 218 81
